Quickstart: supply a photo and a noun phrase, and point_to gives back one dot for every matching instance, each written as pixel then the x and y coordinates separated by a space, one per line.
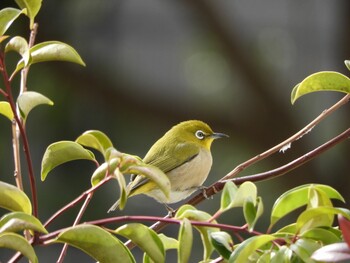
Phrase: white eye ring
pixel 200 134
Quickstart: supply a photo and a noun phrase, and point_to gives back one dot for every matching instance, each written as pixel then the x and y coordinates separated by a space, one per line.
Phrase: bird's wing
pixel 167 162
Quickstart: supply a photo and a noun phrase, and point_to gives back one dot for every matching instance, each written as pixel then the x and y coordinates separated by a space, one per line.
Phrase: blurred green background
pixel 152 64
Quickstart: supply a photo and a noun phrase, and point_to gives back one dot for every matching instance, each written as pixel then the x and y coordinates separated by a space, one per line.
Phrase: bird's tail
pixel 114 206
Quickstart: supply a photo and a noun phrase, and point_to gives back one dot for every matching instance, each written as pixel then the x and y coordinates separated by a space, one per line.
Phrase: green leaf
pixel 96 140
pixel 332 253
pixel 314 217
pixel 154 174
pixel 122 189
pixel 284 254
pixel 185 241
pixel 304 248
pixel 298 197
pixel 18 243
pixel 5 109
pixel 248 247
pixel 52 51
pixel 227 196
pixel 61 152
pixel 103 170
pixel 321 81
pixel 191 213
pixel 233 197
pixel 96 242
pixel 19 221
pixel 324 235
pixel 29 100
pixel 19 45
pixel 223 243
pixel 7 16
pixel 252 212
pixel 144 238
pixel 32 7
pixel 169 242
pixel 13 199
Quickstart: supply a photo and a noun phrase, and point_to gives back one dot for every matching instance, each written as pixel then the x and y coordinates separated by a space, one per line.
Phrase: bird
pixel 183 154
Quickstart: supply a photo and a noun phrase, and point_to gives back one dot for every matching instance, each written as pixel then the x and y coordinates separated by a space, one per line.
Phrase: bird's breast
pixel 192 173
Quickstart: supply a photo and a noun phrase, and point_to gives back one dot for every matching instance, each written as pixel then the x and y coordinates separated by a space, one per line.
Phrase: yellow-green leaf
pixel 7 16
pixel 19 45
pixel 248 247
pixel 103 170
pixel 5 110
pixel 19 221
pixel 51 51
pixel 96 140
pixel 321 81
pixel 13 199
pixel 32 8
pixel 29 100
pixel 18 243
pixel 223 243
pixel 145 238
pixel 97 243
pixel 154 174
pixel 185 241
pixel 61 152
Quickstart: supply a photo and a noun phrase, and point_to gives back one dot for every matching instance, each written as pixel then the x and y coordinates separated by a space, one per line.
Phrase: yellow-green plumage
pixel 183 154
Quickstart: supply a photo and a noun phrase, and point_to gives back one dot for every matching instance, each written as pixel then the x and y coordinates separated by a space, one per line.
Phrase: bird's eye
pixel 200 135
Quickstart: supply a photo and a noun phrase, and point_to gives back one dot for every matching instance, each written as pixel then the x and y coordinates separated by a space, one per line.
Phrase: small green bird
pixel 183 154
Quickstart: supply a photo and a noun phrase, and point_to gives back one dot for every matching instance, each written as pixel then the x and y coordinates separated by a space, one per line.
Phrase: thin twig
pixel 291 139
pixel 77 220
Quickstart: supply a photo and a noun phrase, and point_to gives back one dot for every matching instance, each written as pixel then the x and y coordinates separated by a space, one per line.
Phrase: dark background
pixel 152 64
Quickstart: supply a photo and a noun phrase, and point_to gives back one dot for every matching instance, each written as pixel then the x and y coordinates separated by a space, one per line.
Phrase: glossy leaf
pixel 32 8
pixel 19 221
pixel 228 194
pixel 284 254
pixel 96 242
pixel 7 16
pixel 338 252
pixel 145 238
pixel 191 213
pixel 233 197
pixel 321 81
pixel 52 51
pixel 223 243
pixel 62 152
pixel 19 45
pixel 298 197
pixel 252 212
pixel 18 243
pixel 5 110
pixel 248 247
pixel 122 189
pixel 103 170
pixel 185 241
pixel 29 100
pixel 324 235
pixel 169 242
pixel 96 140
pixel 13 199
pixel 154 174
pixel 304 248
pixel 314 217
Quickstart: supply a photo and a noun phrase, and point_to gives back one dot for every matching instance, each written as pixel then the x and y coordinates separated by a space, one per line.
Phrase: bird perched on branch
pixel 183 154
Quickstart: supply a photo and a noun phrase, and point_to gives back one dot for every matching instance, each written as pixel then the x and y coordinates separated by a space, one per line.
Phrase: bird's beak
pixel 217 135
